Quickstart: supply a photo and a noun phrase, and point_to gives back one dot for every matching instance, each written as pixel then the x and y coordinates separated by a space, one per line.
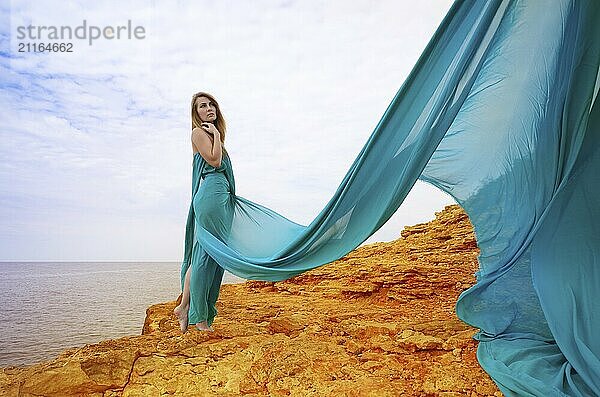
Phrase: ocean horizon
pixel 47 307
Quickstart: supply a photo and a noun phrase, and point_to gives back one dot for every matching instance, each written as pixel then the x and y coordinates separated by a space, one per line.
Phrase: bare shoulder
pixel 197 133
pixel 195 140
pixel 200 138
pixel 202 143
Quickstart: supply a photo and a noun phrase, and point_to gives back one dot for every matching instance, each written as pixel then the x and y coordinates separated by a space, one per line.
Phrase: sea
pixel 46 307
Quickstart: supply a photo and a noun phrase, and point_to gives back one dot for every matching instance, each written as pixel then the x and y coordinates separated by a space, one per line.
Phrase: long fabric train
pixel 500 111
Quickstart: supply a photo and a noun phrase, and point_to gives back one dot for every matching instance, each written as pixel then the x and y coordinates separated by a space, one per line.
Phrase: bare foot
pixel 182 316
pixel 203 326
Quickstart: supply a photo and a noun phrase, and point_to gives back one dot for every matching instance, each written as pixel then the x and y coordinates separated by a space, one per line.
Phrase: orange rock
pixel 379 321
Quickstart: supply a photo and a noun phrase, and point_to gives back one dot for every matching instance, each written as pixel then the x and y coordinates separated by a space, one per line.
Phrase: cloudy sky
pixel 95 143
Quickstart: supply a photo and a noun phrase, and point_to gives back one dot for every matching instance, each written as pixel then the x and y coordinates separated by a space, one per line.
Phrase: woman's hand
pixel 210 127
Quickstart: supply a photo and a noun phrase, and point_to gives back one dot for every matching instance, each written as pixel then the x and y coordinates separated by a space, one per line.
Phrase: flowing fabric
pixel 500 112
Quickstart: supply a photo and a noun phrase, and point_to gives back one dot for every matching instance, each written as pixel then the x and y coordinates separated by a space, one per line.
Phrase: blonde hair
pixel 220 122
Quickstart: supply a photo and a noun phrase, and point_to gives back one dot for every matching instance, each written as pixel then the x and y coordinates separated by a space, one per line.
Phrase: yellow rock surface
pixel 378 322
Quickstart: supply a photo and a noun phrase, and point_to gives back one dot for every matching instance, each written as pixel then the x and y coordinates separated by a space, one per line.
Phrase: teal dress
pixel 502 112
pixel 212 205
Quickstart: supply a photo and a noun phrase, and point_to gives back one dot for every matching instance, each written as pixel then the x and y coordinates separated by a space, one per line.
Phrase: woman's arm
pixel 210 149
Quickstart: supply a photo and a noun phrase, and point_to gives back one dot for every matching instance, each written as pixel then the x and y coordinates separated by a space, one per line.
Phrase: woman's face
pixel 206 109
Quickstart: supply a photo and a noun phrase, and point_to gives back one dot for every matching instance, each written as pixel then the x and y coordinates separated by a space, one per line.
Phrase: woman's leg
pixel 181 310
pixel 200 277
pixel 185 299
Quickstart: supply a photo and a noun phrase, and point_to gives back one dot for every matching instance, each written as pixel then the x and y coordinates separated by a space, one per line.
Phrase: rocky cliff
pixel 378 322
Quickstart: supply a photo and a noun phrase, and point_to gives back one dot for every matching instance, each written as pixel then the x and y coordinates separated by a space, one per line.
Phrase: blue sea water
pixel 46 307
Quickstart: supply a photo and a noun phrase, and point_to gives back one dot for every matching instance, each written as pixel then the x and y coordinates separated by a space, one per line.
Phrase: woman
pixel 213 207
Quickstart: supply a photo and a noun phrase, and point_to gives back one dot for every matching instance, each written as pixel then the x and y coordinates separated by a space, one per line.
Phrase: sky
pixel 95 143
